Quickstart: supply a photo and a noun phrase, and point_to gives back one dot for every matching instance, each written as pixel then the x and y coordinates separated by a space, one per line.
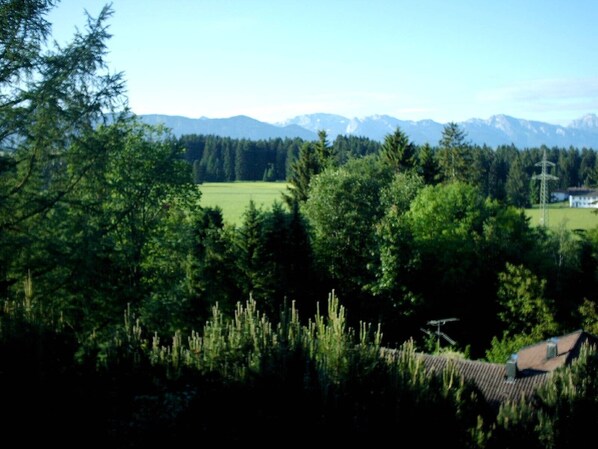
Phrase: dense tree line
pixel 222 159
pixel 504 173
pixel 150 319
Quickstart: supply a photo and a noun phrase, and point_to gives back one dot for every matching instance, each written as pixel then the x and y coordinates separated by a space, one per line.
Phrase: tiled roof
pixel 534 358
pixel 490 378
pixel 533 366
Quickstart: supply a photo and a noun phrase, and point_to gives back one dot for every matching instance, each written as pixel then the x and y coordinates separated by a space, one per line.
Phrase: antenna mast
pixel 544 177
pixel 438 332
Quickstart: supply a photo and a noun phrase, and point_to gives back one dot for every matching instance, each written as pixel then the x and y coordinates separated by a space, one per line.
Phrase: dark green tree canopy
pixel 398 152
pixel 49 101
pixel 454 154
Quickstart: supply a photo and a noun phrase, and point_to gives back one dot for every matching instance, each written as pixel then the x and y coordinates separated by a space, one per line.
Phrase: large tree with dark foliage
pixel 398 152
pixel 50 101
pixel 87 198
pixel 454 154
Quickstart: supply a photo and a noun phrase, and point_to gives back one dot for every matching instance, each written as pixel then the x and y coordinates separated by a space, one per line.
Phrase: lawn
pixel 233 197
pixel 561 213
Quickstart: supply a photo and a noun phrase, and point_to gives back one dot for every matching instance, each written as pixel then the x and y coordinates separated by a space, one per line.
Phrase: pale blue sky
pixel 272 60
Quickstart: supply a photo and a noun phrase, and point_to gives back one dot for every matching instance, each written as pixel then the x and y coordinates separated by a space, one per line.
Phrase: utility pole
pixel 544 177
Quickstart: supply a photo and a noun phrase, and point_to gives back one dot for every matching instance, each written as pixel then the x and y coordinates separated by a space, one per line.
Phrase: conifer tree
pixel 303 169
pixel 51 97
pixel 454 155
pixel 398 152
pixel 427 166
pixel 517 186
pixel 324 150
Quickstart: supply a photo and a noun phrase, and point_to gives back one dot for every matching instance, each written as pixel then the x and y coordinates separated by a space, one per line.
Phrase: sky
pixel 413 60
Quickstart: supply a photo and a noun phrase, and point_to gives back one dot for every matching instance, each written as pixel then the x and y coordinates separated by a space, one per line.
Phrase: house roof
pixel 533 357
pixel 490 378
pixel 585 193
pixel 575 191
pixel 533 367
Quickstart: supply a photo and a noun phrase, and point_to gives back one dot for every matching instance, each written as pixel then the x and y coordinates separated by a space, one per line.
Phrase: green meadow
pixel 561 214
pixel 233 197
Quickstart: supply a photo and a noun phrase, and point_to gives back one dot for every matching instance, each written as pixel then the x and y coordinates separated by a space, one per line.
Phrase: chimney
pixel 551 349
pixel 512 368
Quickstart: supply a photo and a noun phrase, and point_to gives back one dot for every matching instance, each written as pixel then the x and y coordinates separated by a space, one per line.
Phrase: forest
pixel 504 173
pixel 132 316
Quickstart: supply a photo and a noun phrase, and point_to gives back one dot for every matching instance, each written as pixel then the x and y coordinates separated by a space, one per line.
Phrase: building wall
pixel 583 201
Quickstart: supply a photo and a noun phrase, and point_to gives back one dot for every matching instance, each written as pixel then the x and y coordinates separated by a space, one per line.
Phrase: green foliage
pixel 398 152
pixel 454 155
pixel 502 348
pixel 516 426
pixel 588 312
pixel 331 344
pixel 342 210
pixel 344 382
pixel 523 306
pixel 313 159
pixel 422 239
pixel 273 257
pixel 98 214
pixel 526 315
pixel 346 147
pixel 302 171
pixel 52 99
pixel 517 185
pixel 213 273
pixel 561 415
pixel 568 402
pixel 223 159
pixel 88 209
pixel 427 166
pixel 394 241
pixel 324 151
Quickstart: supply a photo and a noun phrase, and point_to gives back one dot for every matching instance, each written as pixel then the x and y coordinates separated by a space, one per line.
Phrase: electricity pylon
pixel 544 177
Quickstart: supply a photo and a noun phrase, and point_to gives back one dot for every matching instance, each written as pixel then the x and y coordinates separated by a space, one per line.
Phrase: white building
pixel 556 196
pixel 586 199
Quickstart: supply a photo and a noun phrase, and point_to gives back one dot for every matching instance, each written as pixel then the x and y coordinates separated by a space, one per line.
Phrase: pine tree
pixel 398 152
pixel 454 155
pixel 303 169
pixel 324 151
pixel 250 245
pixel 517 185
pixel 427 166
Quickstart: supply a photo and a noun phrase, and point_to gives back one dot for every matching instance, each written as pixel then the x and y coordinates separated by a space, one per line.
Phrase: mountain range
pixel 494 131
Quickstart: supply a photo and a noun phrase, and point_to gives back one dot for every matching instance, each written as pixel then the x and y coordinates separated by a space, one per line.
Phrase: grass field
pixel 561 213
pixel 233 197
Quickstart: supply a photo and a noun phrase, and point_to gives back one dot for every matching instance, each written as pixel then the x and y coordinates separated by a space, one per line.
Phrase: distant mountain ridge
pixel 238 127
pixel 496 130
